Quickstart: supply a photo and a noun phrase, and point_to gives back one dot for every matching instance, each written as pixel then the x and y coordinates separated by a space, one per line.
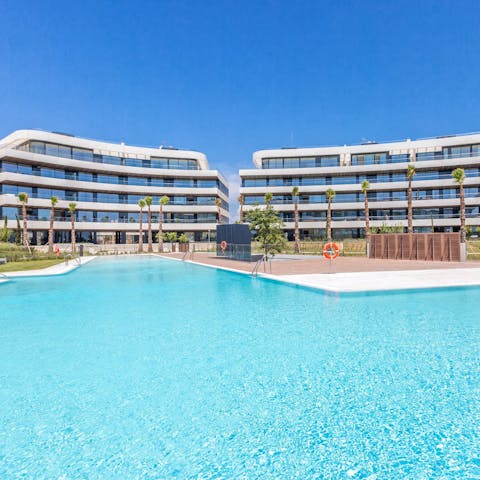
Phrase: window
pixel 82 154
pixel 291 162
pixel 327 161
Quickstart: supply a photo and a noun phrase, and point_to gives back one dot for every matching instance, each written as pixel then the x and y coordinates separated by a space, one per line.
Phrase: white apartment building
pixel 384 165
pixel 106 181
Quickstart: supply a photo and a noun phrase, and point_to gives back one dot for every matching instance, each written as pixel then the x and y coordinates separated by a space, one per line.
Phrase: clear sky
pixel 231 77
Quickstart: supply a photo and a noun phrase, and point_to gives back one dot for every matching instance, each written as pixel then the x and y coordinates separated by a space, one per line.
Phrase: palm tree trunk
pixel 297 232
pixel 140 233
pixel 73 240
pixel 410 218
pixel 160 231
pixel 241 214
pixel 219 216
pixel 26 243
pixel 150 248
pixel 410 208
pixel 463 236
pixel 329 222
pixel 367 219
pixel 50 231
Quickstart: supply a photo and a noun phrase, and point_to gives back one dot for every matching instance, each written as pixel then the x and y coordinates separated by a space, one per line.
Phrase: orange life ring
pixel 223 245
pixel 331 251
pixel 56 250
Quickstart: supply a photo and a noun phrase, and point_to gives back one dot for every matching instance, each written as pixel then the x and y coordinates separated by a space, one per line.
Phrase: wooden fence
pixel 443 247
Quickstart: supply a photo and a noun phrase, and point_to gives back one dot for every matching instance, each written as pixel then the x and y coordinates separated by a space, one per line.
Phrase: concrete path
pixel 386 280
pixel 58 269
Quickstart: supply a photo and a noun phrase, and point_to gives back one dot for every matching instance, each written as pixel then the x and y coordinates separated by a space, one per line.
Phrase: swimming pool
pixel 147 368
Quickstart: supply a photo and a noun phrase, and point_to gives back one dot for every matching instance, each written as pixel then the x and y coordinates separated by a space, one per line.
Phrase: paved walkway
pixel 353 274
pixel 58 269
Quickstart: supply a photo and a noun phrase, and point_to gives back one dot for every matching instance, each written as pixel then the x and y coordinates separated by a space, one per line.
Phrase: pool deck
pixel 58 269
pixel 353 274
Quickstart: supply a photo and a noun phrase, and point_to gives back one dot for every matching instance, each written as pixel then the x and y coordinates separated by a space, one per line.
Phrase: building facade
pixel 384 165
pixel 106 181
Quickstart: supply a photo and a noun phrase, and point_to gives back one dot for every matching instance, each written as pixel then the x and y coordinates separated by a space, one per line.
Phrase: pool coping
pixel 365 282
pixel 59 269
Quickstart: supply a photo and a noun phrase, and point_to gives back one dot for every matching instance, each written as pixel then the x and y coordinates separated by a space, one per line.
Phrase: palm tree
pixel 365 188
pixel 241 202
pixel 148 203
pixel 53 202
pixel 410 175
pixel 218 204
pixel 72 207
pixel 23 197
pixel 330 195
pixel 141 204
pixel 297 231
pixel 459 177
pixel 163 201
pixel 268 199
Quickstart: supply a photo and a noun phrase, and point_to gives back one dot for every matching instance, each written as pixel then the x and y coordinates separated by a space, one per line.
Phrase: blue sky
pixel 231 77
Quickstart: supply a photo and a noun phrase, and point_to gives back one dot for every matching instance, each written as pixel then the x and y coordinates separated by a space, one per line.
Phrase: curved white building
pixel 106 181
pixel 384 165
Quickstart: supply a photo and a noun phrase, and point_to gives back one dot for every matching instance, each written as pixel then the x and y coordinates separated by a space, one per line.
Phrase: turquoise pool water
pixel 154 369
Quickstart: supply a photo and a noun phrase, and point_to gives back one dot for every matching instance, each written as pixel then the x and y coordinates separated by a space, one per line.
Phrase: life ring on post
pixel 56 250
pixel 331 251
pixel 223 245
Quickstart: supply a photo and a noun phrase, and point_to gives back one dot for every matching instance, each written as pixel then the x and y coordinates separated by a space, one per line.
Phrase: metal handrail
pixel 68 256
pixel 7 279
pixel 257 266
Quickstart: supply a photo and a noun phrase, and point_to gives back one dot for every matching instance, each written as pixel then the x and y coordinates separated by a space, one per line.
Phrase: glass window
pixel 82 154
pixel 344 180
pixel 9 167
pixel 71 175
pixel 292 162
pixel 328 161
pixel 85 177
pixel 383 177
pixel 25 169
pixel 276 182
pixel 64 152
pixel 37 147
pixel 399 195
pixel 51 149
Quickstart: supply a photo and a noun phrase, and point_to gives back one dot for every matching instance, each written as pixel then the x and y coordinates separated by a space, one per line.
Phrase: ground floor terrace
pixel 114 237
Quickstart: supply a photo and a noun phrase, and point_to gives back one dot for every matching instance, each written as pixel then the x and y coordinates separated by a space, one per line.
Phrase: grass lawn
pixel 28 265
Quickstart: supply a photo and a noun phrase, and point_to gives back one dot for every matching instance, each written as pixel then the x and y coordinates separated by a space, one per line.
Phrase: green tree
pixel 459 177
pixel 183 238
pixel 267 225
pixel 5 232
pixel 141 204
pixel 268 199
pixel 410 174
pixel 170 237
pixel 365 188
pixel 297 230
pixel 241 203
pixel 163 201
pixel 53 202
pixel 330 195
pixel 23 197
pixel 72 207
pixel 218 204
pixel 148 203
